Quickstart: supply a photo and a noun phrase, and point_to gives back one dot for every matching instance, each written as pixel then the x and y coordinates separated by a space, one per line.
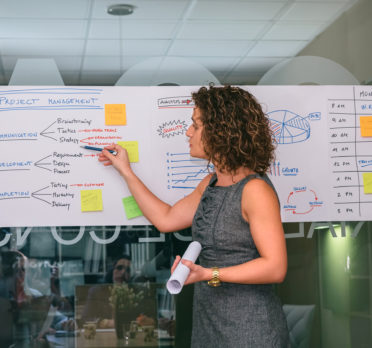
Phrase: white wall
pixel 348 41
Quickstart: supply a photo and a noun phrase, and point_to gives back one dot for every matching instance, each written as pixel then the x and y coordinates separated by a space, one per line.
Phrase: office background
pixel 327 293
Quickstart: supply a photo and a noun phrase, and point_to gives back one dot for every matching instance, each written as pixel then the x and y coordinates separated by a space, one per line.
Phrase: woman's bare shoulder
pixel 258 185
pixel 258 196
pixel 203 184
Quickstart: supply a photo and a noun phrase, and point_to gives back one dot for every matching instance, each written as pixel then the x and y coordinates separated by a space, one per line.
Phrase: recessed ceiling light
pixel 120 10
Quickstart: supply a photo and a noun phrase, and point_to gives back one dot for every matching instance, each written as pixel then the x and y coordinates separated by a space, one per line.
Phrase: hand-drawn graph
pixel 289 128
pixel 277 169
pixel 185 172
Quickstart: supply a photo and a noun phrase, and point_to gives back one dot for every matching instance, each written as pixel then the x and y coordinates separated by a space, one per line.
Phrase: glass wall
pixel 66 286
pixel 329 283
pixel 59 287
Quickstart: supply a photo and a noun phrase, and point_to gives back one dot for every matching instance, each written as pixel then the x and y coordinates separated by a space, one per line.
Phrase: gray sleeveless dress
pixel 232 315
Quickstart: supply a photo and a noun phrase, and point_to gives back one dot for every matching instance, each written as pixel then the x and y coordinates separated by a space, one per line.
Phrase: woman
pixel 120 271
pixel 235 215
pixel 97 306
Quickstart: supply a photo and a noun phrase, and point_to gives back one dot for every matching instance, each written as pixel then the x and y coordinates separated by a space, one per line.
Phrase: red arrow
pixel 289 197
pixel 306 212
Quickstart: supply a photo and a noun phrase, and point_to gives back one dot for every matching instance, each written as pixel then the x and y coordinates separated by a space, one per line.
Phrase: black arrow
pixel 39 164
pixel 43 132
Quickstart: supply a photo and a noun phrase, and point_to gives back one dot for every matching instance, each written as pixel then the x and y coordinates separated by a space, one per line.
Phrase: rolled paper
pixel 180 274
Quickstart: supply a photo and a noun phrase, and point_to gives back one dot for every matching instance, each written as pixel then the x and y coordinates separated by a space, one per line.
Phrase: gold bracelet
pixel 215 281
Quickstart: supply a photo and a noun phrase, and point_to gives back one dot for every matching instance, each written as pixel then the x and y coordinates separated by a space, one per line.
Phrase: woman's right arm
pixel 164 217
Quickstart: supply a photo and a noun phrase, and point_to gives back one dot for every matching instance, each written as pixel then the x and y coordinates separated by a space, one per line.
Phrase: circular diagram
pixel 302 200
pixel 288 128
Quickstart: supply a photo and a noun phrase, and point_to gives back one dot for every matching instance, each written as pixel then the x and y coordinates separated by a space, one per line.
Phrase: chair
pixel 6 327
pixel 299 321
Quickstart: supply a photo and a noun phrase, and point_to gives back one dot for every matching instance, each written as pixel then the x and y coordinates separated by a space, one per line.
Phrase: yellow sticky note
pixel 91 200
pixel 132 148
pixel 131 208
pixel 367 182
pixel 366 126
pixel 115 115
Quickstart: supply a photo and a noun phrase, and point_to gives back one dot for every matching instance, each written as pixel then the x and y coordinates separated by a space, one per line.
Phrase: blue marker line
pixel 97 149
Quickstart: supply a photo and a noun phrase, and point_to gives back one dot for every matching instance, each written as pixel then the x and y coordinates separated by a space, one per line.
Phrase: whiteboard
pixel 321 171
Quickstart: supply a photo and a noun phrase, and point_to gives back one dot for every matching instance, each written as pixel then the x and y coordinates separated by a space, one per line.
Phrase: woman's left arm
pixel 260 208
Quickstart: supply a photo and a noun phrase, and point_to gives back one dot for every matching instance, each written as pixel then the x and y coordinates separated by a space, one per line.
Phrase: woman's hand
pixel 69 325
pixel 120 160
pixel 197 273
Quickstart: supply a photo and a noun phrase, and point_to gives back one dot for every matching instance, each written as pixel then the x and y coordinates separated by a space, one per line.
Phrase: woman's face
pixel 121 271
pixel 194 133
pixel 21 271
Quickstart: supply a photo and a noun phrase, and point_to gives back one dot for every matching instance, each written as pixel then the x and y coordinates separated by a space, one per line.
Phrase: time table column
pixel 363 143
pixel 343 156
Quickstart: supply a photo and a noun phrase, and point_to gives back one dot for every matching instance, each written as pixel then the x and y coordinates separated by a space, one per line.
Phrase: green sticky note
pixel 132 149
pixel 91 200
pixel 131 207
pixel 367 182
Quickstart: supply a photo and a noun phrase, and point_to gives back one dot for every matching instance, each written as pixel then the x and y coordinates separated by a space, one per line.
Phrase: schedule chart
pixel 350 151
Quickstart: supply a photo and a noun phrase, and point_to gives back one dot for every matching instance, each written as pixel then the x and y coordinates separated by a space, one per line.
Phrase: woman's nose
pixel 189 132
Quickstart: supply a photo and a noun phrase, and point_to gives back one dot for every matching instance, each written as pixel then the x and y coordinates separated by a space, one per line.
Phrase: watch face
pixel 214 282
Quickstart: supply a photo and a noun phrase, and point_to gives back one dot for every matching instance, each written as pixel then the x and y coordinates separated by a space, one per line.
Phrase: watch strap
pixel 215 281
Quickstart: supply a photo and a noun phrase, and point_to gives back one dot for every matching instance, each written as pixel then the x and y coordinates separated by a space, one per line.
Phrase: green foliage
pixel 124 297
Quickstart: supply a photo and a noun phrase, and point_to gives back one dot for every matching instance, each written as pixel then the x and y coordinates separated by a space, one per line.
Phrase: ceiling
pixel 237 41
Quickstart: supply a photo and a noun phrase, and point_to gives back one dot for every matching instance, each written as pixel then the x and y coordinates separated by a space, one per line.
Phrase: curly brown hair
pixel 236 132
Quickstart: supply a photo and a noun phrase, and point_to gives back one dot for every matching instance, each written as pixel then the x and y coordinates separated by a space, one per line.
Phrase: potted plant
pixel 124 301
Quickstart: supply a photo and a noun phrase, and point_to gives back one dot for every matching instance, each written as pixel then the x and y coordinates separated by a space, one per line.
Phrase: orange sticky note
pixel 115 115
pixel 365 126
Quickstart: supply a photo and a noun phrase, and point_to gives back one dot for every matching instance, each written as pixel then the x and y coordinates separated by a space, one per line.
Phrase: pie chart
pixel 288 127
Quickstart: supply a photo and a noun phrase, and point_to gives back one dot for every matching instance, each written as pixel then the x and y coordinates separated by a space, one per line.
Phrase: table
pixel 106 338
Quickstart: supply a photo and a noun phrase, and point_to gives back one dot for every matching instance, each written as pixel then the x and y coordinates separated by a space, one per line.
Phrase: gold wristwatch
pixel 215 281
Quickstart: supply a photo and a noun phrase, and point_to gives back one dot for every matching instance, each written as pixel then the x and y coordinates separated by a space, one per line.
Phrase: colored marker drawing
pixel 276 169
pixel 185 172
pixel 288 127
pixel 302 200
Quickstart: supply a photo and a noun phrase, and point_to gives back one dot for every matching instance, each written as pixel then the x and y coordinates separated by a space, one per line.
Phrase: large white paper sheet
pixel 322 170
pixel 180 274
